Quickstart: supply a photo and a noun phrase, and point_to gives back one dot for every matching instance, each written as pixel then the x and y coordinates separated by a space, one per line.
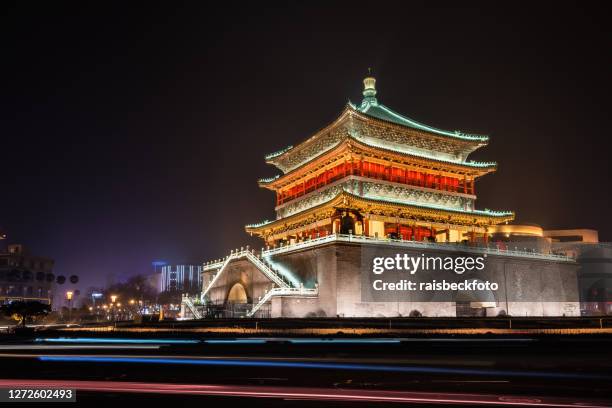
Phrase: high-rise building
pixel 181 278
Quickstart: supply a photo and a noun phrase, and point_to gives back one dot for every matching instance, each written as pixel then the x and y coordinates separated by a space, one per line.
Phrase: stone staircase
pixel 284 285
pixel 302 292
pixel 259 263
pixel 187 302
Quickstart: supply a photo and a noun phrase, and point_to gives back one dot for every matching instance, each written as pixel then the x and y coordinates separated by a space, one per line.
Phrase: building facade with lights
pixel 181 278
pixel 24 276
pixel 375 180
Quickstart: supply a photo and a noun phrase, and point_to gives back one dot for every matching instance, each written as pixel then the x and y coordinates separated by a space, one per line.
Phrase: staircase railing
pixel 282 292
pixel 194 310
pixel 259 264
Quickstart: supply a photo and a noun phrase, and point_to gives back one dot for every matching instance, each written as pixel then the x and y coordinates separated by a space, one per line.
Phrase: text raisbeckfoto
pixel 434 285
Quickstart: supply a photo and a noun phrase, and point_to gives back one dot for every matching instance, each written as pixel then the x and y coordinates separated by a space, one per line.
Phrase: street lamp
pixel 69 298
pixel 113 306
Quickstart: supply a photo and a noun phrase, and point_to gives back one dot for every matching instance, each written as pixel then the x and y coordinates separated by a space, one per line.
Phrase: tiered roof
pixel 374 130
pixel 377 125
pixel 358 147
pixel 410 211
pixel 379 111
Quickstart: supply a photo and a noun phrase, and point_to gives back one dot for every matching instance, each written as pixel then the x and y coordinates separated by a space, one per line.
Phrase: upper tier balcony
pixel 376 172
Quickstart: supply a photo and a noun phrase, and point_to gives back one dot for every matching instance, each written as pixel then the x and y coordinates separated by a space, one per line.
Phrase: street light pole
pixel 69 297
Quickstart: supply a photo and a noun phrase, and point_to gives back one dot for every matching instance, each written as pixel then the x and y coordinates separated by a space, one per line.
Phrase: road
pixel 487 371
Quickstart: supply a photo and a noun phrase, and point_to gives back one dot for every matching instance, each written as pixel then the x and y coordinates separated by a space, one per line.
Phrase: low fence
pixel 567 325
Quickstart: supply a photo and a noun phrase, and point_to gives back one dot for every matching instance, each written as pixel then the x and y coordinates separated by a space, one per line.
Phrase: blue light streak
pixel 345 341
pixel 324 366
pixel 237 341
pixel 114 341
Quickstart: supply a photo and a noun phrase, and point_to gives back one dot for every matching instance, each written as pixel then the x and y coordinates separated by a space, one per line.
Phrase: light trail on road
pixel 318 365
pixel 291 340
pixel 79 347
pixel 113 340
pixel 300 393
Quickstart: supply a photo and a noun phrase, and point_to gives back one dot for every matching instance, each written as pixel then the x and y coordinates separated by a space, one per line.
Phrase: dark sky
pixel 130 135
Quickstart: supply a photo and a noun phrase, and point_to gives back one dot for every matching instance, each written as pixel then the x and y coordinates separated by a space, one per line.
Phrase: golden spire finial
pixel 369 87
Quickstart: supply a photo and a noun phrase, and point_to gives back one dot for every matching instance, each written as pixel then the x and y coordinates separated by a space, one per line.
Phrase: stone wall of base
pixel 526 286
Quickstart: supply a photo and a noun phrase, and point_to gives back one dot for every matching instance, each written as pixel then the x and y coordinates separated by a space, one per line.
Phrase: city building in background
pixel 376 180
pixel 181 278
pixel 595 267
pixel 24 276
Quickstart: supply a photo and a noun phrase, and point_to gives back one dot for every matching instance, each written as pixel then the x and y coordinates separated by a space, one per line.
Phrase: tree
pixel 24 310
pixel 168 297
pixel 137 287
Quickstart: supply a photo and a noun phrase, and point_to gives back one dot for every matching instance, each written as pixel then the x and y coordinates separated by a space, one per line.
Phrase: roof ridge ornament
pixel 369 90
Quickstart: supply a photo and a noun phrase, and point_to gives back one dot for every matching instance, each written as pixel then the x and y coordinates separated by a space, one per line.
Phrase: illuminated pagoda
pixel 376 173
pixel 376 183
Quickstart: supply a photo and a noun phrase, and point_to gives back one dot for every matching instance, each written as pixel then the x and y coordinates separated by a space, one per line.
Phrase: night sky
pixel 130 135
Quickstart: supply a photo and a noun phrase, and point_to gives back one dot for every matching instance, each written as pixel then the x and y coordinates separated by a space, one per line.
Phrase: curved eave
pixel 268 181
pixel 471 142
pixel 271 156
pixel 474 168
pixel 413 124
pixel 469 146
pixel 274 157
pixel 346 199
pixel 262 224
pixel 500 216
